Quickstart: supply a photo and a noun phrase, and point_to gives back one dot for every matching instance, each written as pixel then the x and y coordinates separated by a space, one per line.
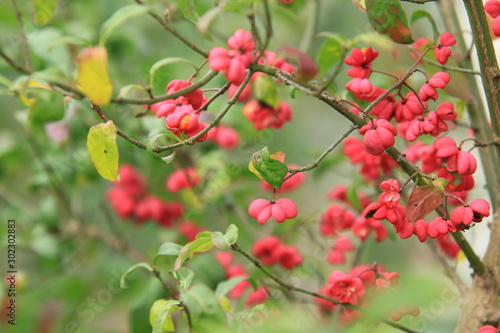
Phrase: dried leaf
pixel 423 200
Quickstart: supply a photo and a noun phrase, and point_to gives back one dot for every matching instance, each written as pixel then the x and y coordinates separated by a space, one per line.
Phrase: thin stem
pixel 118 131
pixel 268 25
pixel 165 25
pixel 156 273
pixel 12 63
pixel 324 154
pixel 22 33
pixel 311 24
pixel 253 29
pixel 451 68
pixel 475 263
pixel 289 287
pixel 215 96
pixel 204 80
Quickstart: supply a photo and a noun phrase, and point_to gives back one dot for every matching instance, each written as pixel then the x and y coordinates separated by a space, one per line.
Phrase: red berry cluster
pixel 372 166
pixel 355 287
pixel 130 198
pixel 234 64
pixel 492 7
pixel 182 179
pixel 181 113
pixel 265 116
pixel 225 137
pixel 281 210
pixel 488 329
pixel 389 208
pixel 270 250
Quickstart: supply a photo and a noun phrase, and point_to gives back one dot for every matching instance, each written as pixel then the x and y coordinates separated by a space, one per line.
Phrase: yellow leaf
pixel 103 151
pixel 251 167
pixel 93 77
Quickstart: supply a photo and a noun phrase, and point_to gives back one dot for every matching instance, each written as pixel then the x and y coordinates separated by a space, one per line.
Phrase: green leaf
pixel 167 250
pixel 125 91
pixel 103 151
pixel 48 106
pixel 163 62
pixel 225 304
pixel 159 315
pixel 185 277
pixel 168 159
pixel 270 169
pixel 207 315
pixel 5 81
pixel 220 241
pixel 418 14
pixel 266 91
pixel 201 244
pixel 44 10
pixel 189 11
pixel 205 21
pixel 224 242
pixel 118 18
pixel 232 234
pixel 331 51
pixel 423 200
pixel 123 282
pixel 388 18
pixel 203 234
pixel 73 40
pixel 226 286
pixel 352 195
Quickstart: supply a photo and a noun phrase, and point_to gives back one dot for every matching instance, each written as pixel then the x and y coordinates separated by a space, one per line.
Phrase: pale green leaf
pixel 164 62
pixel 201 244
pixel 225 286
pixel 125 91
pixel 205 21
pixel 189 11
pixel 167 249
pixel 123 282
pixel 185 277
pixel 207 315
pixel 159 315
pixel 118 18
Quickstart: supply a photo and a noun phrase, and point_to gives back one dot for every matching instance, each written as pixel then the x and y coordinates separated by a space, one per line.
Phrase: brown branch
pixel 118 131
pixel 22 33
pixel 12 63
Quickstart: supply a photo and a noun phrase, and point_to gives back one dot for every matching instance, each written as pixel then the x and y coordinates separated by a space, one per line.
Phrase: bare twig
pixel 22 33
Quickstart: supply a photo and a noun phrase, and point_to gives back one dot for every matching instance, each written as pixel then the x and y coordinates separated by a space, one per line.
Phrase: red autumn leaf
pixel 307 68
pixel 423 200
